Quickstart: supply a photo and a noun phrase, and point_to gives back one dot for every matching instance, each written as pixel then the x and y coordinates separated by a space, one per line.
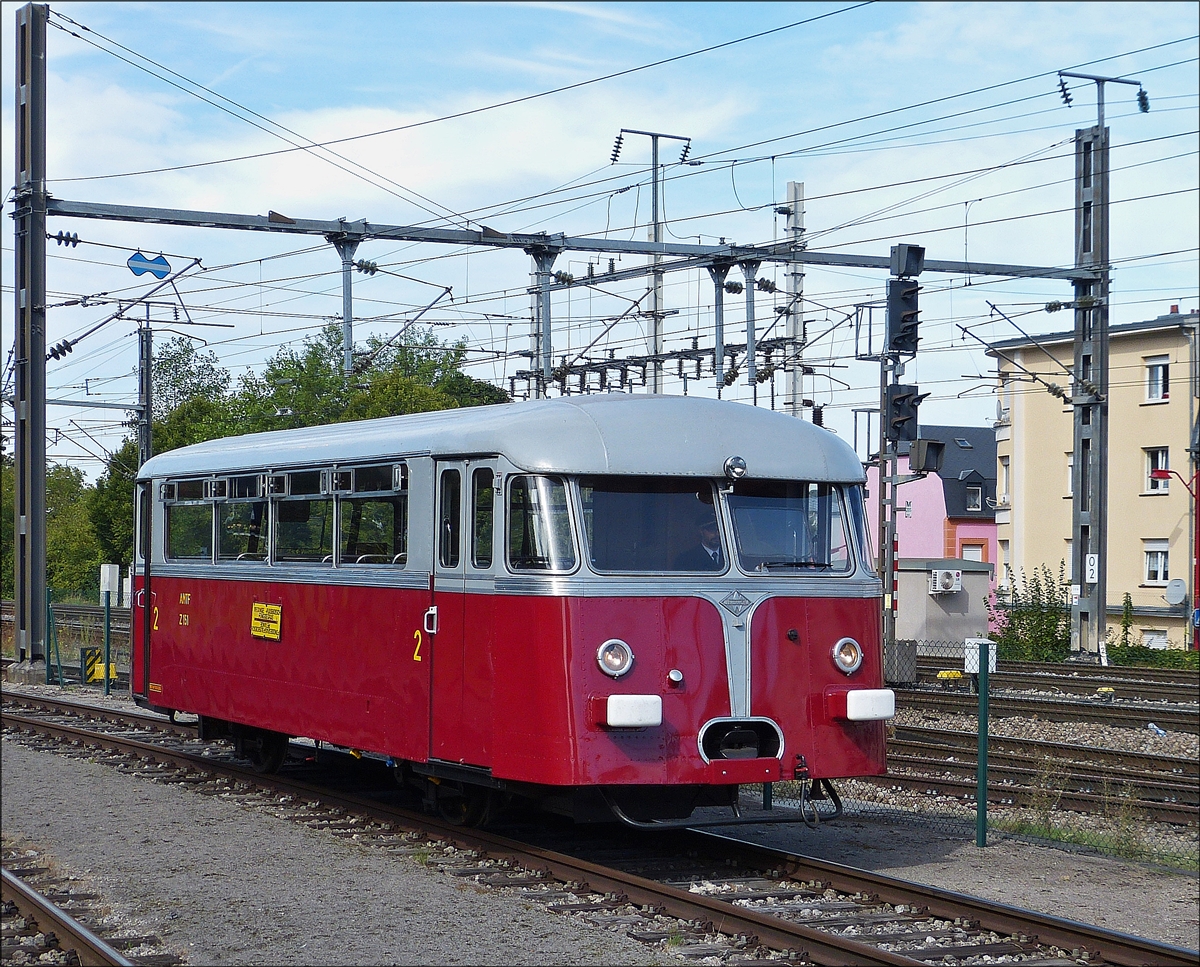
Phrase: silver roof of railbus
pixel 597 434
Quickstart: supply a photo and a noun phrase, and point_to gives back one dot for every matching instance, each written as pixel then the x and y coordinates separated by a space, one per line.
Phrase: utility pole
pixel 1089 395
pixel 29 357
pixel 656 296
pixel 794 395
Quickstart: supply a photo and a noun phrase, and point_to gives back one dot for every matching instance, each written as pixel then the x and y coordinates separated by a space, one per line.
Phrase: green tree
pixel 193 402
pixel 72 552
pixel 110 506
pixel 180 373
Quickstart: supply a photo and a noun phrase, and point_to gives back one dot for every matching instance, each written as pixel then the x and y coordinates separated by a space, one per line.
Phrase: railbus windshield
pixel 651 524
pixel 790 526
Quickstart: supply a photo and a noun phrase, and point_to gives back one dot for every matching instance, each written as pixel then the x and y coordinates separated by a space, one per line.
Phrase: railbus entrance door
pixel 464 581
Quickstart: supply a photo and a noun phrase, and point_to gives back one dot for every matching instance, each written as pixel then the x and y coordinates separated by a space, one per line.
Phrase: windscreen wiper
pixel 806 565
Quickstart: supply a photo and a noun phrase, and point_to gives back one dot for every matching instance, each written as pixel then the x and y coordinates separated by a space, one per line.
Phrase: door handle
pixel 431 621
pixel 139 598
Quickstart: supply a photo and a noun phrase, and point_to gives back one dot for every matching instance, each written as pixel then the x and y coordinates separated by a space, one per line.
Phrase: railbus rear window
pixel 539 526
pixel 788 527
pixel 651 524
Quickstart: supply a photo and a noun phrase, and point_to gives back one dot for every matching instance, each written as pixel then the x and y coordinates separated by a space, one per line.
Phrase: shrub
pixel 1153 657
pixel 1035 623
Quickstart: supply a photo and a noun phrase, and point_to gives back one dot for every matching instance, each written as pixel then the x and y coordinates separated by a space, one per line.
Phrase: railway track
pixel 1127 687
pixel 1121 714
pixel 710 895
pixel 1074 669
pixel 39 927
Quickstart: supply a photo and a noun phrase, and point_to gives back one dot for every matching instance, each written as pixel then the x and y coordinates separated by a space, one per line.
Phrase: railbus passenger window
pixel 786 527
pixel 539 528
pixel 483 499
pixel 243 521
pixel 304 521
pixel 189 523
pixel 374 528
pixel 448 529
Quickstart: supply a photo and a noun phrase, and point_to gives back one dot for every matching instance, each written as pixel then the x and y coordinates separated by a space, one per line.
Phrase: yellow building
pixel 1152 408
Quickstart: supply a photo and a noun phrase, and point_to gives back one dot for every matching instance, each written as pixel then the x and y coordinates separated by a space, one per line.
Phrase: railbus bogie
pixel 613 605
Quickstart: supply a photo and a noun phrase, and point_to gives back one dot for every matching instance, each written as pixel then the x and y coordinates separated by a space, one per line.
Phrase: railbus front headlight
pixel 847 655
pixel 615 657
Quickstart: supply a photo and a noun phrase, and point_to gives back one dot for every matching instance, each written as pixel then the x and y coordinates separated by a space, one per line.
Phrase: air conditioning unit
pixel 944 582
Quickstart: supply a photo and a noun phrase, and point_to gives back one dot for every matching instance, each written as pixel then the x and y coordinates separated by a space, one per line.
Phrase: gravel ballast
pixel 227 884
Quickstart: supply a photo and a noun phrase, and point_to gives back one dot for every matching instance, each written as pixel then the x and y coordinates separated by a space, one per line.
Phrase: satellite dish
pixel 1176 591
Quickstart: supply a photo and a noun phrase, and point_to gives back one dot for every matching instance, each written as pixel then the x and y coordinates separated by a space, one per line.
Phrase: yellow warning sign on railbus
pixel 265 620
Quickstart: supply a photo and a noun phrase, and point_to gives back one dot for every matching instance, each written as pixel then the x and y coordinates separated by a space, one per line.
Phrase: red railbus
pixel 614 605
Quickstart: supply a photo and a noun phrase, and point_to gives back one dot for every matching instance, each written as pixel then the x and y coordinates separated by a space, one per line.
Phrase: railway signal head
pixel 902 402
pixel 902 313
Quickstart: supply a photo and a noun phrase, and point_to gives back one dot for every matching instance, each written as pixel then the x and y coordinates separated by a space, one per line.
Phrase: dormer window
pixel 974 498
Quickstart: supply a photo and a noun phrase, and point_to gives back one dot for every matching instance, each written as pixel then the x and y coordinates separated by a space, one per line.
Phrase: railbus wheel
pixel 463 805
pixel 265 749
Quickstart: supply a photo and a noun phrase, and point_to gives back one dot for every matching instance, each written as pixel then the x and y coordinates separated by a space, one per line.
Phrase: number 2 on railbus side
pixel 155 625
pixel 417 650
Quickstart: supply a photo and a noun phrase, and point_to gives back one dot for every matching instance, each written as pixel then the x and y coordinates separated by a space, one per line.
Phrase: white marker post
pixel 110 581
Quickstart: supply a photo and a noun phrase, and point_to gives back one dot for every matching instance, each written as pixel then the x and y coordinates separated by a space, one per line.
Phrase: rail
pixel 69 932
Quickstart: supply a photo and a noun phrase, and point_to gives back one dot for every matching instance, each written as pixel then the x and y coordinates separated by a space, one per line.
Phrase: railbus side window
pixel 539 527
pixel 189 523
pixel 243 522
pixel 483 499
pixel 374 519
pixel 304 521
pixel 448 527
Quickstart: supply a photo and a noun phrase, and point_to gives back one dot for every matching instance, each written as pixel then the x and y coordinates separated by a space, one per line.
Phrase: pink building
pixel 950 514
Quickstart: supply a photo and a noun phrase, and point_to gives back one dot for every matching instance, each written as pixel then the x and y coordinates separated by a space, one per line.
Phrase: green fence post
pixel 985 647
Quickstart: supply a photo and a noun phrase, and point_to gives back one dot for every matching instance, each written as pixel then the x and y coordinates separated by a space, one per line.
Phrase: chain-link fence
pixel 1082 770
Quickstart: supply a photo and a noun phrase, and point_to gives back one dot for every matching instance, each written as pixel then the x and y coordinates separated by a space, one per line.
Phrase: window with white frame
pixel 1002 498
pixel 1069 558
pixel 1157 458
pixel 1070 473
pixel 974 498
pixel 1157 561
pixel 1158 378
pixel 1005 563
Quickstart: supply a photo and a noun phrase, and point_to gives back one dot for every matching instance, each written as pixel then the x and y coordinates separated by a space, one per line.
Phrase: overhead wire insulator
pixel 367 268
pixel 60 350
pixel 687 148
pixel 734 288
pixel 1063 90
pixel 69 239
pixel 1143 100
pixel 765 285
pixel 616 151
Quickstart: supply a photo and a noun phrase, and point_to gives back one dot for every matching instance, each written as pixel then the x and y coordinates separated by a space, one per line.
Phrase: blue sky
pixel 939 124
